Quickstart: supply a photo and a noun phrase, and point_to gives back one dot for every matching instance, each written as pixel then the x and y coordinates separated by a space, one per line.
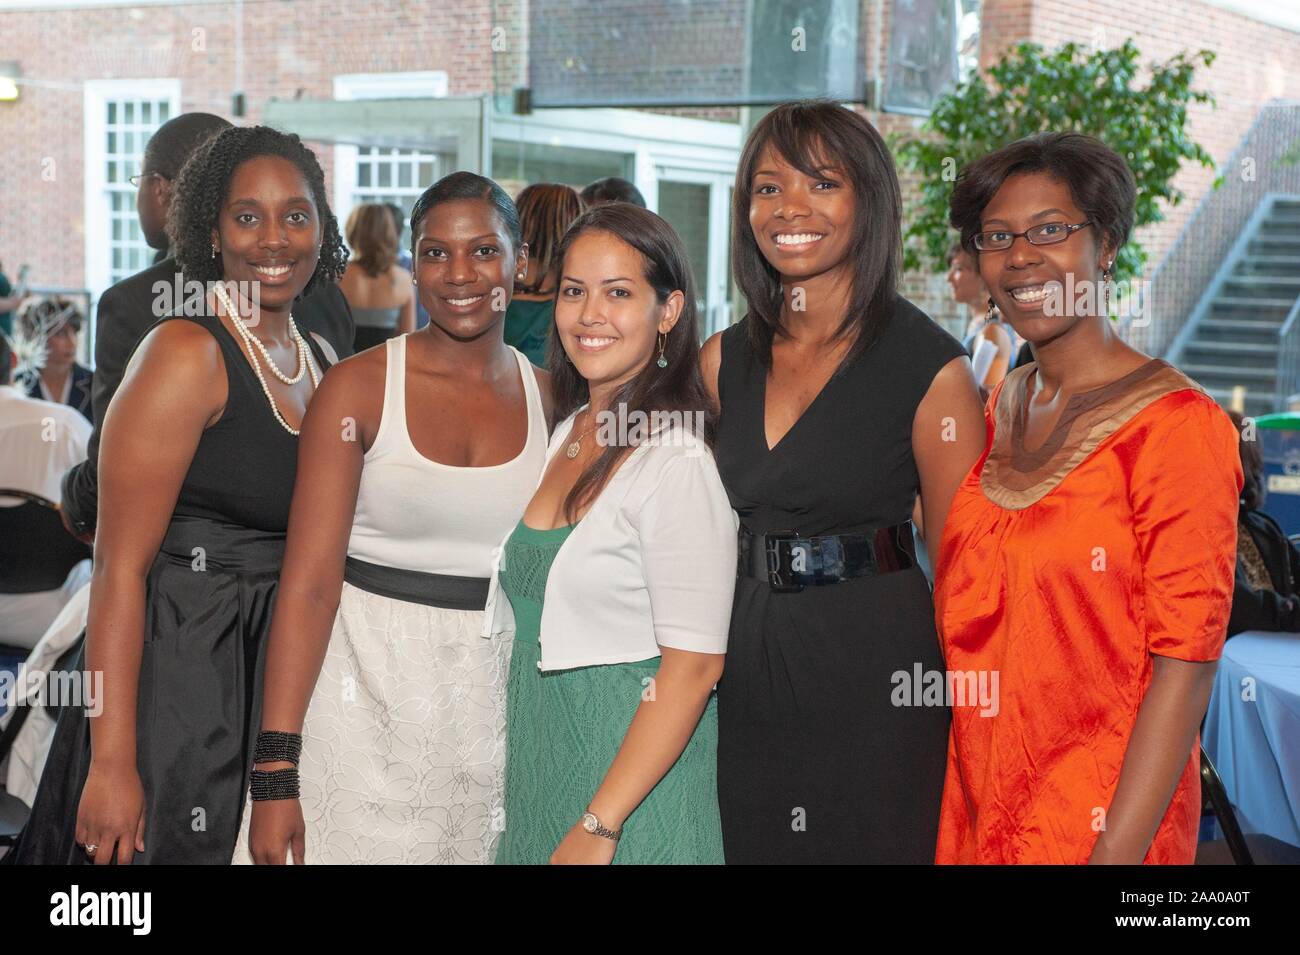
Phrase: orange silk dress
pixel 1060 572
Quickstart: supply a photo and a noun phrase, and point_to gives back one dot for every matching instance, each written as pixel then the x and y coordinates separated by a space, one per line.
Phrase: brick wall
pixel 302 45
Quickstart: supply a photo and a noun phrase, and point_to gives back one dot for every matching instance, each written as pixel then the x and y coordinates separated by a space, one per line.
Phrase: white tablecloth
pixel 1252 731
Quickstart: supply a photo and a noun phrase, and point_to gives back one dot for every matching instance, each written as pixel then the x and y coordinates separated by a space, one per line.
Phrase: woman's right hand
pixel 111 813
pixel 277 827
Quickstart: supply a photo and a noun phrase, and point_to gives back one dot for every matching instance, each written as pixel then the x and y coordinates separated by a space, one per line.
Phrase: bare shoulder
pixel 181 347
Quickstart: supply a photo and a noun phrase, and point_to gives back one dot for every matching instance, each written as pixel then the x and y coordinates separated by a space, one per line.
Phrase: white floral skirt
pixel 403 750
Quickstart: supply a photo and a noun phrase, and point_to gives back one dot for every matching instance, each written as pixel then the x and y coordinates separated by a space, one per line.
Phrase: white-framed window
pixel 120 117
pixel 387 173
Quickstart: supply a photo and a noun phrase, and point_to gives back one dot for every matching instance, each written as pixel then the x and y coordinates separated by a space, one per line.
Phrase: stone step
pixel 1236 355
pixel 1245 307
pixel 1238 330
pixel 1282 265
pixel 1221 374
pixel 1257 402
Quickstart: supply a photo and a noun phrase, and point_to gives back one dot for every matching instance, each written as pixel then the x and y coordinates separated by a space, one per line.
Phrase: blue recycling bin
pixel 1279 436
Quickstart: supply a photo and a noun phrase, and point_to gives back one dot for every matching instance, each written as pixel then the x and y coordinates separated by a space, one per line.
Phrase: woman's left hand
pixel 580 847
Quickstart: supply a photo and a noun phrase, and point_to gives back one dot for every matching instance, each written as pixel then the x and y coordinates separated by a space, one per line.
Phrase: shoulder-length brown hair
pixel 546 209
pixel 810 135
pixel 373 237
pixel 678 387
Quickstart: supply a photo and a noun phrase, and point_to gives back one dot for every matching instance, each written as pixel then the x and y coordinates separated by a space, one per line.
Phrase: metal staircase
pixel 1233 339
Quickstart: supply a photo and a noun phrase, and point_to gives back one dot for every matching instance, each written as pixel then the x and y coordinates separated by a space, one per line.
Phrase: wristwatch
pixel 592 825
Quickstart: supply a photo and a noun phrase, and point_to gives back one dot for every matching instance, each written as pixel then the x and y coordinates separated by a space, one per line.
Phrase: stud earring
pixel 662 362
pixel 520 276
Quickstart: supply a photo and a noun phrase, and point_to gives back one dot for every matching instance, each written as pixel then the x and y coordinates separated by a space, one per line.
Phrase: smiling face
pixel 269 230
pixel 607 315
pixel 803 224
pixel 1016 276
pixel 465 266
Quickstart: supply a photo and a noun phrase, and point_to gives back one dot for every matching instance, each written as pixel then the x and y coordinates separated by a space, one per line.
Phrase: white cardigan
pixel 652 564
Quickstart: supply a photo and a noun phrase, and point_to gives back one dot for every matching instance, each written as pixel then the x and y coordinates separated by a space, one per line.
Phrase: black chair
pixel 36 550
pixel 36 554
pixel 1214 801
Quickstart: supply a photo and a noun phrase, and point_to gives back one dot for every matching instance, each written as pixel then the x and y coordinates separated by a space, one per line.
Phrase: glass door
pixel 697 204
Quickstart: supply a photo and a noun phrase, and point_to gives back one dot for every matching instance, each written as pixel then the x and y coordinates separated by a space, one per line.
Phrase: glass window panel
pixel 128 112
pixel 385 175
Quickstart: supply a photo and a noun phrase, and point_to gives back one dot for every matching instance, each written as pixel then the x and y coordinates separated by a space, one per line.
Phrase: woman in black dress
pixel 196 469
pixel 840 404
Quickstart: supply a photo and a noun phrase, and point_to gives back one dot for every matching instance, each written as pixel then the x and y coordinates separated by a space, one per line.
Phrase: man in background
pixel 126 310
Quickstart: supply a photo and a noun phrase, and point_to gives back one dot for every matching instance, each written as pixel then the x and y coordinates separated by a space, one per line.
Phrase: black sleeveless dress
pixel 208 602
pixel 815 763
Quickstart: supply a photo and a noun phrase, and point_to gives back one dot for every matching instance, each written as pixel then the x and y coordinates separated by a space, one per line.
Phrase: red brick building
pixel 93 78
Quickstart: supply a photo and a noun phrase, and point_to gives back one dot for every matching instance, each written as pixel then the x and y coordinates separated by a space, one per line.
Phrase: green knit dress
pixel 563 729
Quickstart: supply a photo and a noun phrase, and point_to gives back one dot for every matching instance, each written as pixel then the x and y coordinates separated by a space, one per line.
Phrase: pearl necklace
pixel 224 298
pixel 305 363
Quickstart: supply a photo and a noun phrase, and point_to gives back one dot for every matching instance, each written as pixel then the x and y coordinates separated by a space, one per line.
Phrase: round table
pixel 1252 731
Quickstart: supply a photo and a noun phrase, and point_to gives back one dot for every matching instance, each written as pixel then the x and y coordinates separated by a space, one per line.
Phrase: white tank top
pixel 417 514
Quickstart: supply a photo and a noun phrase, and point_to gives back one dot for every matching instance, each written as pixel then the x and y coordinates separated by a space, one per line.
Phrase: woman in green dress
pixel 545 211
pixel 619 578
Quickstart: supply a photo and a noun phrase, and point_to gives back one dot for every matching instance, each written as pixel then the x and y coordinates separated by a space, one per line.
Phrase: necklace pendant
pixel 573 449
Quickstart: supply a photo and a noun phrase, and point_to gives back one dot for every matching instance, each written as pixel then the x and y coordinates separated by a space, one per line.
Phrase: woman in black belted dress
pixel 197 467
pixel 840 404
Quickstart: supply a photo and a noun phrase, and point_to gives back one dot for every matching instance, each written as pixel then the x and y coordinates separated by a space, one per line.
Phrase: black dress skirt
pixel 815 762
pixel 208 603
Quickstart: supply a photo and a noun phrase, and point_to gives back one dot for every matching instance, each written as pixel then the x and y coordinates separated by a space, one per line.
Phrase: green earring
pixel 662 362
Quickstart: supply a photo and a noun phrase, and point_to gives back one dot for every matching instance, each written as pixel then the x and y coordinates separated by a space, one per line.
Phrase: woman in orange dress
pixel 1085 571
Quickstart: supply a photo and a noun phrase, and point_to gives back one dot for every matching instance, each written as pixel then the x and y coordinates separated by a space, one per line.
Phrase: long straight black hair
pixel 810 134
pixel 679 387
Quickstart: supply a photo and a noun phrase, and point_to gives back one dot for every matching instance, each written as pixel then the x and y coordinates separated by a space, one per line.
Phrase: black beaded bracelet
pixel 276 784
pixel 274 746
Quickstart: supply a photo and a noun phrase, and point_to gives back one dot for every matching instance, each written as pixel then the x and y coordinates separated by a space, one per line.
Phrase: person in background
pixel 56 323
pixel 379 291
pixel 404 258
pixel 1266 592
pixel 39 441
pixel 987 339
pixel 10 299
pixel 545 211
pixel 128 309
pixel 612 189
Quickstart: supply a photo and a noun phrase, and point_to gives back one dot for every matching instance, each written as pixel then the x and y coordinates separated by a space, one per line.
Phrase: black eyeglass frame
pixel 1029 235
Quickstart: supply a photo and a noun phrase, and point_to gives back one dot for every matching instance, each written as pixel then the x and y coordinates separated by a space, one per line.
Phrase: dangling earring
pixel 662 362
pixel 1105 285
pixel 214 252
pixel 519 276
pixel 989 317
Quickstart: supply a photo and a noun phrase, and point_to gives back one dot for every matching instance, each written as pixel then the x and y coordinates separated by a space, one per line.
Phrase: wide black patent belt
pixel 790 561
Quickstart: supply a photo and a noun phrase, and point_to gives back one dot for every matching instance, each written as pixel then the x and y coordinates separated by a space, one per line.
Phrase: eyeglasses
pixel 1048 233
pixel 142 176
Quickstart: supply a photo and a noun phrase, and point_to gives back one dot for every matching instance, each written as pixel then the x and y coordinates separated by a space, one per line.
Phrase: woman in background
pixel 545 211
pixel 987 340
pixel 377 288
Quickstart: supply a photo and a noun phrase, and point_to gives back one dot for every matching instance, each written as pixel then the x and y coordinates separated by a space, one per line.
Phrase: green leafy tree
pixel 1068 89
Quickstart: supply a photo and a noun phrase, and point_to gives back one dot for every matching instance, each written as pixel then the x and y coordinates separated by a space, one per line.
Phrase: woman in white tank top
pixel 383 725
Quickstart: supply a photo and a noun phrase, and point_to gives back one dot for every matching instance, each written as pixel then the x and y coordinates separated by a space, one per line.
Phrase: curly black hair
pixel 202 188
